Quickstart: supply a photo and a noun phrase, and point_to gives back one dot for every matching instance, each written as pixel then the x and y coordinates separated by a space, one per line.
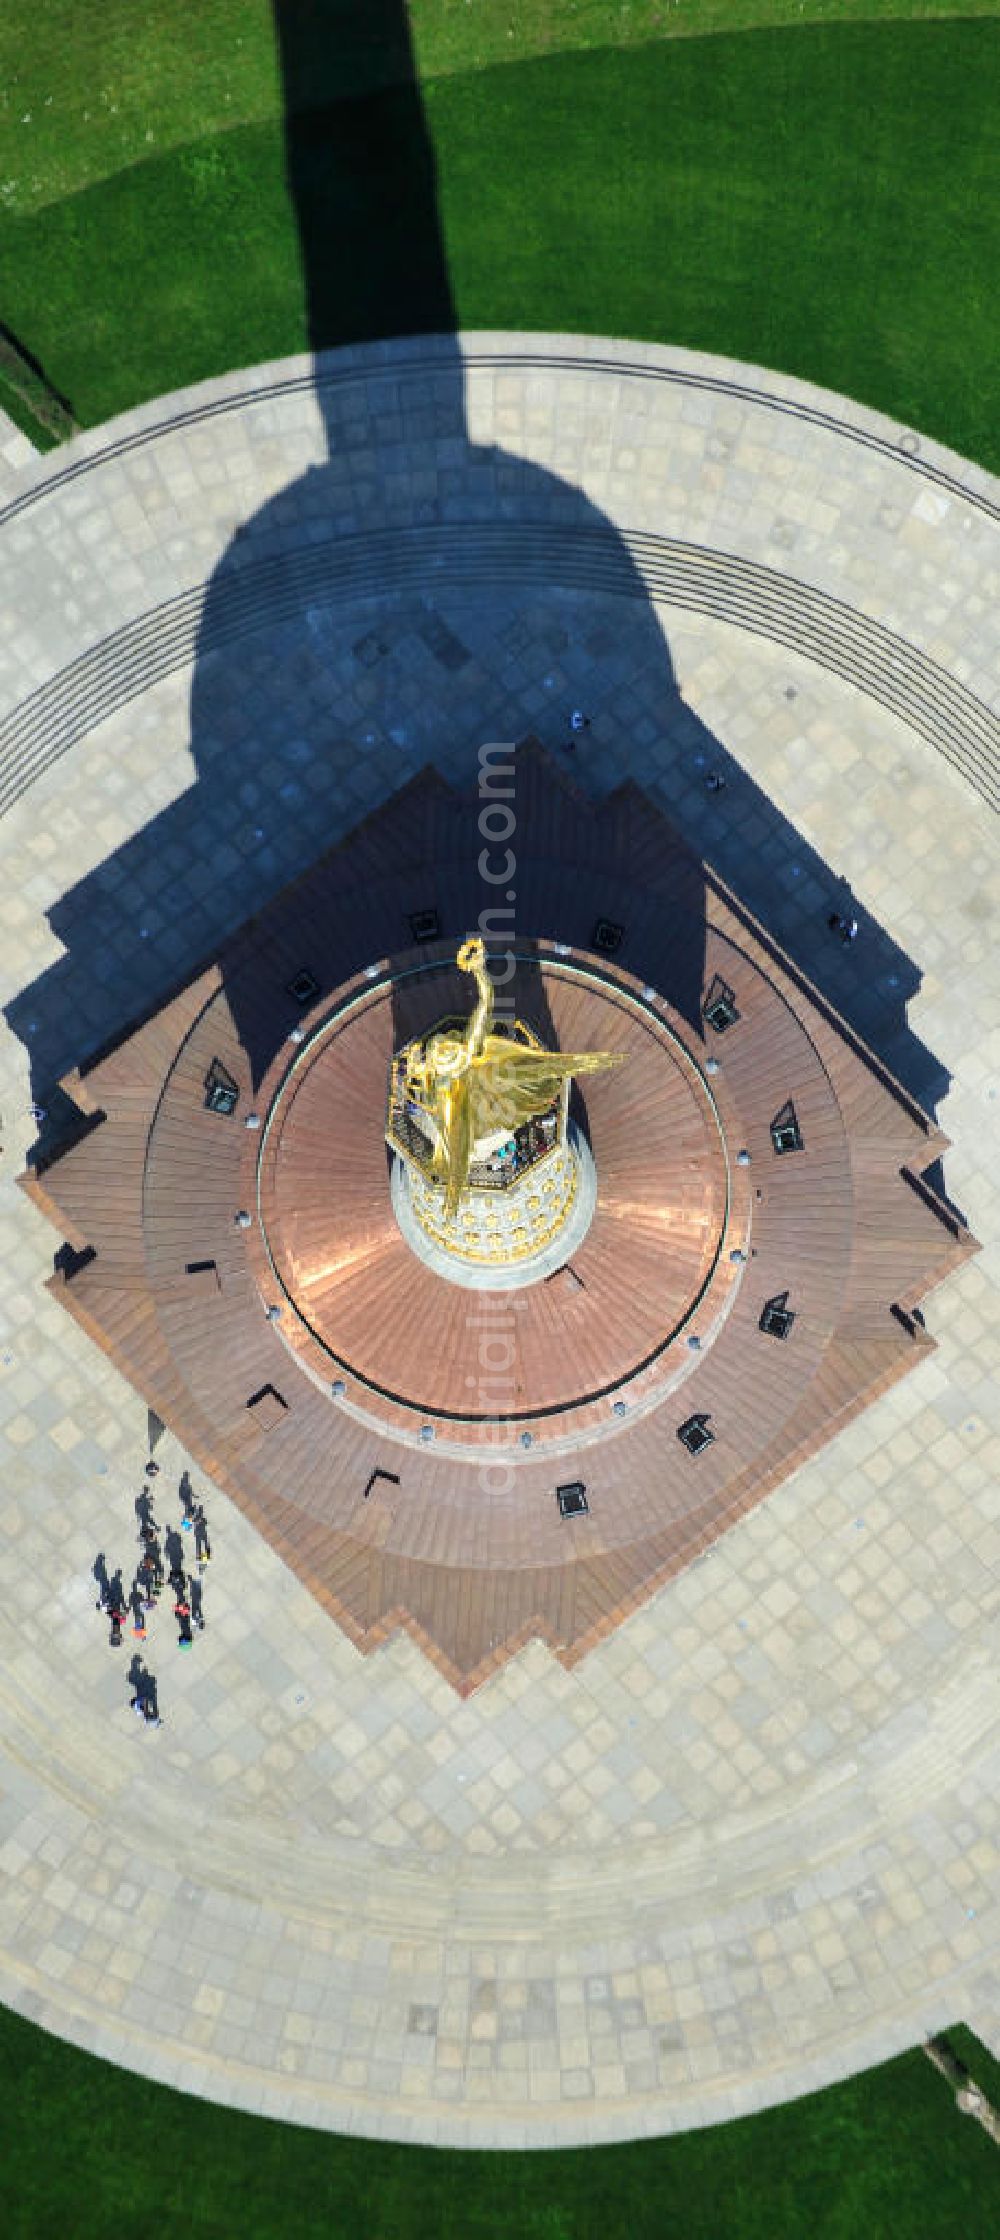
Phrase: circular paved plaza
pixel 749 1843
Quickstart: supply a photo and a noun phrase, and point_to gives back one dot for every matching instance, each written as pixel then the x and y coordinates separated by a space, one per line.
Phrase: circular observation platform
pixel 366 1312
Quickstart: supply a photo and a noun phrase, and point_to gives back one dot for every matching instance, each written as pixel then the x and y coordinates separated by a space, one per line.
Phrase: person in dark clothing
pixel 112 1600
pixel 143 1701
pixel 151 1556
pixel 197 1610
pixel 138 1606
pixel 144 1509
pixel 185 1495
pixel 202 1545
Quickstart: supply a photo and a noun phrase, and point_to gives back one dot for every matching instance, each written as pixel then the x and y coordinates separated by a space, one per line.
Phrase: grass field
pixel 823 199
pixel 86 91
pixel 86 2149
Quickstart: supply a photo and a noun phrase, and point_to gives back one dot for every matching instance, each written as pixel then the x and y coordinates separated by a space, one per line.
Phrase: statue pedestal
pixel 500 1239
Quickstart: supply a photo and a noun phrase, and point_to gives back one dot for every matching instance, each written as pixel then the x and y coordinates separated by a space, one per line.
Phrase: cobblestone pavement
pixel 750 1844
pixel 16 455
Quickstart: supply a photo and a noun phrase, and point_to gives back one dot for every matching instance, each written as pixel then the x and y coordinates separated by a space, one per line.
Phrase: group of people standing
pixel 161 1561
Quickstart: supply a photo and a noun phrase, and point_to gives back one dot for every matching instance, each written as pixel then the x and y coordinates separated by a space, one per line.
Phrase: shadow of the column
pixel 280 702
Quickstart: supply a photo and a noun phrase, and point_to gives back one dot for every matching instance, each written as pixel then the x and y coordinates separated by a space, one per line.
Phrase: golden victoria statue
pixel 464 1087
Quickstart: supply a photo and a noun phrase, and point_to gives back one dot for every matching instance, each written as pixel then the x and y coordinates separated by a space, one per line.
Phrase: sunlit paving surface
pixel 746 1842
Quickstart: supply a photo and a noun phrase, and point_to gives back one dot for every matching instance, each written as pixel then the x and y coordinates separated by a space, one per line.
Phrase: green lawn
pixel 86 2149
pixel 826 202
pixel 823 200
pixel 84 91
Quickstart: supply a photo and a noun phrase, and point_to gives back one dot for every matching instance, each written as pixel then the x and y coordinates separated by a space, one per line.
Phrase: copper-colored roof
pixel 597 1365
pixel 378 1313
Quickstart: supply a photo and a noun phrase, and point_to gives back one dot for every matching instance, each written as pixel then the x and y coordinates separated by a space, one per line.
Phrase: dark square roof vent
pixel 572 1499
pixel 776 1316
pixel 695 1434
pixel 607 936
pixel 304 988
pixel 719 1006
pixel 786 1135
pixel 221 1091
pixel 425 925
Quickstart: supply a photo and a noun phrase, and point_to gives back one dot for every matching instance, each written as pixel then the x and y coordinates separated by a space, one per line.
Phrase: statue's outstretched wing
pixel 512 1084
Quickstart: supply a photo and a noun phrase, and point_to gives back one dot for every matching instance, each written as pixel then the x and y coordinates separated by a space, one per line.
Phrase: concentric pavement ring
pixel 749 1844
